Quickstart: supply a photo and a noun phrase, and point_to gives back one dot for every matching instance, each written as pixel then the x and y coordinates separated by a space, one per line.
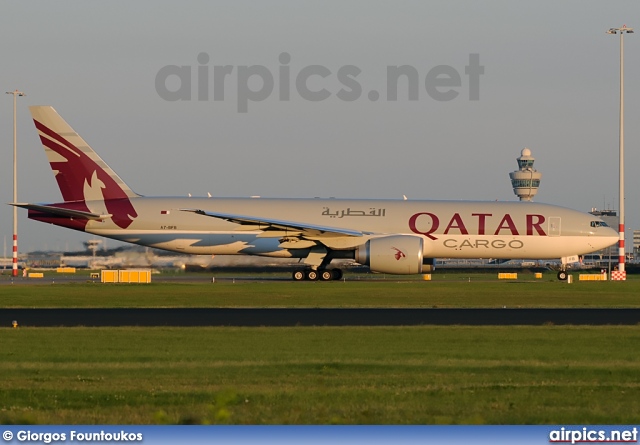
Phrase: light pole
pixel 621 254
pixel 14 272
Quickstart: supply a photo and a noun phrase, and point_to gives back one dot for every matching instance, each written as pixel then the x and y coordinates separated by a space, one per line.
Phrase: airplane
pixel 389 236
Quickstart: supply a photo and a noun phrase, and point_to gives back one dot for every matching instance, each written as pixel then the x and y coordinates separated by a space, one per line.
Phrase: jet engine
pixel 395 254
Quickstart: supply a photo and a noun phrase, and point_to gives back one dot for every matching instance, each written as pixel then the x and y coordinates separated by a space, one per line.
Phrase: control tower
pixel 525 181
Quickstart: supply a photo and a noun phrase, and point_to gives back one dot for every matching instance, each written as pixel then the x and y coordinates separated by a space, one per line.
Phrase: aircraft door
pixel 554 226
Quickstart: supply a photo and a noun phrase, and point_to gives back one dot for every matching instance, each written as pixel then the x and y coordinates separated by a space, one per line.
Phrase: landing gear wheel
pixel 562 275
pixel 312 275
pixel 298 275
pixel 326 275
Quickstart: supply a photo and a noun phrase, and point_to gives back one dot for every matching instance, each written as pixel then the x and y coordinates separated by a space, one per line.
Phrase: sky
pixel 144 84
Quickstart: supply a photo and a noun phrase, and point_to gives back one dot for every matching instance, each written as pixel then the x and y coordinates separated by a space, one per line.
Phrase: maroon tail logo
pixel 79 176
pixel 399 253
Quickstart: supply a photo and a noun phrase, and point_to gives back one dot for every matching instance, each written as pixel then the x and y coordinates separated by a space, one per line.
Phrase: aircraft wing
pixel 52 210
pixel 278 225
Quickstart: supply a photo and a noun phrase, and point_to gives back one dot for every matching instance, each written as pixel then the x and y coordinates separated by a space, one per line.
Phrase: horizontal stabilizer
pixel 61 212
pixel 278 224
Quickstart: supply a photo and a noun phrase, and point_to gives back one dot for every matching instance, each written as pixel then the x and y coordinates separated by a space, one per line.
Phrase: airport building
pixel 526 180
pixel 609 255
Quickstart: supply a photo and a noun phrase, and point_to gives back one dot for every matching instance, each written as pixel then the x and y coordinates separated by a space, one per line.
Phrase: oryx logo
pixel 82 179
pixel 399 253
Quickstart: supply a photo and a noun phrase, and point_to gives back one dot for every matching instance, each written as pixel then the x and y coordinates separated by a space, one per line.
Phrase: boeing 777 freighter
pixel 389 236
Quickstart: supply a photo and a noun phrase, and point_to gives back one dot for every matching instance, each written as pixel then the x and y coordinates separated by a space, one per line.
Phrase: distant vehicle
pixel 389 236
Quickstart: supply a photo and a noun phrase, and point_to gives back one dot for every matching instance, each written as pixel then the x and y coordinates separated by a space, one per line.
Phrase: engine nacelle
pixel 395 254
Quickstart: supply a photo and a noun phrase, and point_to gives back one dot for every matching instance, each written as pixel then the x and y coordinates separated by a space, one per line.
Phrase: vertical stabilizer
pixel 81 174
pixel 74 164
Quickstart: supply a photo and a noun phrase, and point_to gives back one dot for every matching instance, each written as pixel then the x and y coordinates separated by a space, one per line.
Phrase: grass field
pixel 415 375
pixel 450 290
pixel 322 375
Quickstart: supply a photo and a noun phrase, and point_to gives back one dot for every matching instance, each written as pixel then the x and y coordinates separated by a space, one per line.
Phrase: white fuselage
pixel 450 229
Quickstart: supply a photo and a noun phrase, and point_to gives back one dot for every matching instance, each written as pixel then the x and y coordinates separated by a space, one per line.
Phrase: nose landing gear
pixel 562 275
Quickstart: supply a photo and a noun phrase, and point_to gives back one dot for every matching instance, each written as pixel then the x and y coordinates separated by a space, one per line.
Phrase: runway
pixel 193 317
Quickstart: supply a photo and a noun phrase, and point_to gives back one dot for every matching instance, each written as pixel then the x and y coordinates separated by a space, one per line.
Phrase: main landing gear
pixel 319 274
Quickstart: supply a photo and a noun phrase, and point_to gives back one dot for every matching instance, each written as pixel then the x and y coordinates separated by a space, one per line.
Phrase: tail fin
pixel 80 172
pixel 83 177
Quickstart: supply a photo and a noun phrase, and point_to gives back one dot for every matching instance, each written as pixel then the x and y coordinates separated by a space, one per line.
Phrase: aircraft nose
pixel 610 233
pixel 608 236
pixel 602 238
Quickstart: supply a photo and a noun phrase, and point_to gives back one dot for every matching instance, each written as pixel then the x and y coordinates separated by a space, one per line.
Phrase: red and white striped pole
pixel 15 250
pixel 621 254
pixel 621 275
pixel 15 93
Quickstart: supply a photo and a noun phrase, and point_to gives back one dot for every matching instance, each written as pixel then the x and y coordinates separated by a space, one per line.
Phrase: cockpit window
pixel 598 224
